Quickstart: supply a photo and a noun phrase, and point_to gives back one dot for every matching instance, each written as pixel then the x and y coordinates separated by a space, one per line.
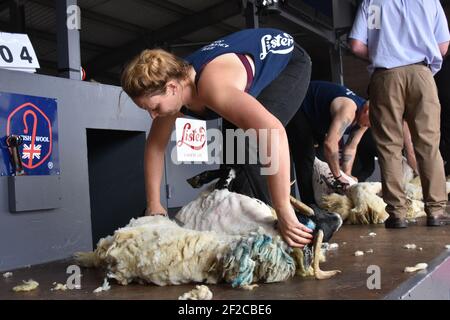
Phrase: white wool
pixel 7 275
pixel 417 267
pixel 105 286
pixel 338 203
pixel 227 212
pixel 250 287
pixel 447 246
pixel 368 207
pixel 330 246
pixel 414 209
pixel 59 287
pixel 369 251
pixel 26 286
pixel 358 253
pixel 372 234
pixel 157 250
pixel 409 246
pixel 201 292
pixel 414 191
pixel 408 172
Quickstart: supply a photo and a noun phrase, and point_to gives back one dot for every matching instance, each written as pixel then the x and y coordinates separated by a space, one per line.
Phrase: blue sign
pixel 34 121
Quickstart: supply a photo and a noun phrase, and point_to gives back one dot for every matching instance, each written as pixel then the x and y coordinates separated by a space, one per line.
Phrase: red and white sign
pixel 192 141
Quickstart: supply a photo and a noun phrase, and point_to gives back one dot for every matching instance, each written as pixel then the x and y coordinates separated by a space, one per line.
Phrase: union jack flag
pixel 31 151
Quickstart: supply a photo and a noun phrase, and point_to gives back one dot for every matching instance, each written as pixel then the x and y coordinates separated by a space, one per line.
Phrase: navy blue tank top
pixel 271 50
pixel 316 104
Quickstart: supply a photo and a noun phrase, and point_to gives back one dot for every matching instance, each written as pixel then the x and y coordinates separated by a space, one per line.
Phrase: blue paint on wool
pixel 261 249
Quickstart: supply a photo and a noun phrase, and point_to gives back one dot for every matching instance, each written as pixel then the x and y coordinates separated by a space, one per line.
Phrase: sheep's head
pixel 324 225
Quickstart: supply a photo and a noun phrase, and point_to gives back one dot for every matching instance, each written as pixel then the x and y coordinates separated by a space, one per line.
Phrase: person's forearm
pixel 153 170
pixel 279 182
pixel 363 54
pixel 443 48
pixel 348 158
pixel 331 150
pixel 359 49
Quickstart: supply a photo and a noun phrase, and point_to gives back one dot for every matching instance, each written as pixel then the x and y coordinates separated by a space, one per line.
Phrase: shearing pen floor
pixel 388 253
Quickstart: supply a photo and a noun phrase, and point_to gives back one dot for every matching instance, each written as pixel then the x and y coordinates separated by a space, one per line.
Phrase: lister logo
pixel 193 138
pixel 279 44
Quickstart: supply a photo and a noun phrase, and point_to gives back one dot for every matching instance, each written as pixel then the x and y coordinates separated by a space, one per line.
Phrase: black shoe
pixel 395 223
pixel 438 220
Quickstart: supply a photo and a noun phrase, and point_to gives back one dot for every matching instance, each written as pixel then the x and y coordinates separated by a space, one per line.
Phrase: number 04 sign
pixel 16 52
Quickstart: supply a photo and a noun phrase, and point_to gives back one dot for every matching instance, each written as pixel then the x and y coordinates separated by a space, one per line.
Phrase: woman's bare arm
pixel 155 148
pixel 221 87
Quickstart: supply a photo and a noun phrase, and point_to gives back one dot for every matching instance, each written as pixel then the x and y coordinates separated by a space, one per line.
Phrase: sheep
pixel 362 202
pixel 157 250
pixel 154 249
pixel 227 212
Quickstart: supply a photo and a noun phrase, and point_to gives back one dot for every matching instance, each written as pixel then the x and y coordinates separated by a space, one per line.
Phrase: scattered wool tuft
pixel 358 253
pixel 7 275
pixel 250 287
pixel 59 286
pixel 201 292
pixel 331 246
pixel 26 286
pixel 105 286
pixel 417 267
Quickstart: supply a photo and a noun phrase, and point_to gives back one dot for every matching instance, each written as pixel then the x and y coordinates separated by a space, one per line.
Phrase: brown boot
pixel 438 219
pixel 395 223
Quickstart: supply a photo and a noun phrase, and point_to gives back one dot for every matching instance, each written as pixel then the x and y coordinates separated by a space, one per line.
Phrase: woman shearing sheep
pixel 253 79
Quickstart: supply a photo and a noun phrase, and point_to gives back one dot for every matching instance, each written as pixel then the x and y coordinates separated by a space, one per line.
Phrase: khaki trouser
pixel 408 93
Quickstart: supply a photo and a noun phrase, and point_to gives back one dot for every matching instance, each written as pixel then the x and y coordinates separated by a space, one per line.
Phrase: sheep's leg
pixel 301 207
pixel 319 274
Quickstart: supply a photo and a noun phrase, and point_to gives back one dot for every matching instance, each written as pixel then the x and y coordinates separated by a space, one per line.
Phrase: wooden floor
pixel 388 254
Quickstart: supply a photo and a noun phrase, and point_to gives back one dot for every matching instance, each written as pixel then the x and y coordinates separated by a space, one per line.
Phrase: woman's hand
pixel 293 232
